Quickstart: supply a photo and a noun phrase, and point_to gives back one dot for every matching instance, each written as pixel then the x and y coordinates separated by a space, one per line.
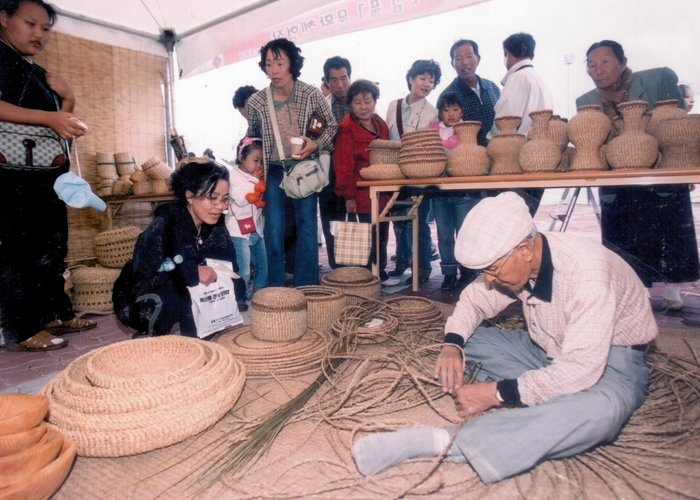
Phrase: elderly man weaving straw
pixel 577 376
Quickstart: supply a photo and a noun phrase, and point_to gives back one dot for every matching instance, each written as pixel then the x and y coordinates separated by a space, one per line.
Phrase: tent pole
pixel 169 39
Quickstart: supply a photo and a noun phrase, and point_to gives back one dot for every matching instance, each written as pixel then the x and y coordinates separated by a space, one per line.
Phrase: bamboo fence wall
pixel 119 96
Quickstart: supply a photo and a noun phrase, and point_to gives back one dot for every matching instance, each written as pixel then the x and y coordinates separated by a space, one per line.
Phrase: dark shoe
pixel 73 325
pixel 466 278
pixel 400 269
pixel 141 335
pixel 450 282
pixel 424 275
pixel 242 307
pixel 42 341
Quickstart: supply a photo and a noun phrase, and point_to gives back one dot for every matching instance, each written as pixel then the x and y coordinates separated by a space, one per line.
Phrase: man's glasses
pixel 497 271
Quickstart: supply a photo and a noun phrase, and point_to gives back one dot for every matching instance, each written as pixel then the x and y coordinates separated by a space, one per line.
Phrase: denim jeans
pixel 403 231
pixel 450 209
pixel 248 250
pixel 306 258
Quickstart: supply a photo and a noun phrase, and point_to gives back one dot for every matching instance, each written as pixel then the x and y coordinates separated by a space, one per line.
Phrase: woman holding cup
pixel 296 104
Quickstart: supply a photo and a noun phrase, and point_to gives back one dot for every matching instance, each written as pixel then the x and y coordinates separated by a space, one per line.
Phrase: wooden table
pixel 549 180
pixel 115 203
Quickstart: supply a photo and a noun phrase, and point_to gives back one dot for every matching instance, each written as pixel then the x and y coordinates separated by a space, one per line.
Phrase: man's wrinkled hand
pixel 450 368
pixel 475 398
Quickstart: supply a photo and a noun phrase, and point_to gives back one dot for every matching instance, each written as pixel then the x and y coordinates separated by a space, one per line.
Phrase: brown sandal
pixel 76 324
pixel 42 341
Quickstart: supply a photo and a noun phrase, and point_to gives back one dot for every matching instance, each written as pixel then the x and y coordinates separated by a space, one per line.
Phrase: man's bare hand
pixel 475 398
pixel 450 368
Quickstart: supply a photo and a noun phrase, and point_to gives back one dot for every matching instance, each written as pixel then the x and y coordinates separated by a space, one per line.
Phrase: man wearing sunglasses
pixel 576 375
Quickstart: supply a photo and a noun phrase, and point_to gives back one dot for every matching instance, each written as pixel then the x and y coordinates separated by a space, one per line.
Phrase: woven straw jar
pixel 155 169
pixel 355 282
pixel 504 150
pixel 508 124
pixel 662 110
pixel 279 314
pixel 468 158
pixel 557 132
pixel 324 305
pixel 679 138
pixel 588 130
pixel 114 248
pixel 540 154
pixel 633 148
pixel 92 289
pixel 566 158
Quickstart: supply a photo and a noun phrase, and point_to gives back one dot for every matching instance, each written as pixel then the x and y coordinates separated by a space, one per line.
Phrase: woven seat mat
pixel 312 458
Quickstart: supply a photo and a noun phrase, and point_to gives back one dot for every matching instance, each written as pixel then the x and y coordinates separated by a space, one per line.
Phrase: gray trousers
pixel 511 441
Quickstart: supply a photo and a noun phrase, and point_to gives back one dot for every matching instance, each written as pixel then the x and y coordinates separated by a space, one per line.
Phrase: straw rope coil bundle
pixel 414 311
pixel 148 404
pixel 382 172
pixel 279 314
pixel 354 281
pixel 143 188
pixel 270 359
pixel 381 327
pixel 92 289
pixel 155 169
pixel 114 248
pixel 324 305
pixel 383 152
pixel 125 164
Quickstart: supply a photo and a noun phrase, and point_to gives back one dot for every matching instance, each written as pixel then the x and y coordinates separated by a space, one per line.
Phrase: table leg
pixel 374 200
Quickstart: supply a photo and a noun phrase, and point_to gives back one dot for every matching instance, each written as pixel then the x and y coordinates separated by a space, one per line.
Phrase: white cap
pixel 76 192
pixel 491 229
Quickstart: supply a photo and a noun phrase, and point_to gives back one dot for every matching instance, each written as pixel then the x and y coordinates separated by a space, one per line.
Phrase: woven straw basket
pixel 138 176
pixel 155 169
pixel 105 187
pixel 354 281
pixel 324 305
pixel 381 172
pixel 106 167
pixel 279 314
pixel 123 187
pixel 414 312
pixel 159 391
pixel 161 186
pixel 92 289
pixel 423 169
pixel 125 164
pixel 143 188
pixel 274 359
pixel 114 248
pixel 384 152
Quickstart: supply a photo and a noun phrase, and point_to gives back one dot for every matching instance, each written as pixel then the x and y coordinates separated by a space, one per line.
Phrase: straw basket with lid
pixel 354 281
pixel 114 248
pixel 136 396
pixel 279 314
pixel 324 305
pixel 92 289
pixel 271 359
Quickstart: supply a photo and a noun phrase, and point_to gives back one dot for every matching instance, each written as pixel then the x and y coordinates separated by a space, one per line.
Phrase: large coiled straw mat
pixel 270 359
pixel 379 329
pixel 135 415
pixel 414 311
pixel 324 305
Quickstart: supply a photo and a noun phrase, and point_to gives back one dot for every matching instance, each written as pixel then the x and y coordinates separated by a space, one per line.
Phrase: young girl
pixel 450 112
pixel 244 220
pixel 450 207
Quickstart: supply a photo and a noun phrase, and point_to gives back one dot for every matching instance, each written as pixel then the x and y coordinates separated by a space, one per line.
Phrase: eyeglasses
pixel 219 201
pixel 497 271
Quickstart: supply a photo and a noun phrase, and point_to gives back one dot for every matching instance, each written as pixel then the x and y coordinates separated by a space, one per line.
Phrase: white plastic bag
pixel 214 307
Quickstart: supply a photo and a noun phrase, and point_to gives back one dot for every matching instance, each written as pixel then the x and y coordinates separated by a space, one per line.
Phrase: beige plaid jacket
pixel 597 302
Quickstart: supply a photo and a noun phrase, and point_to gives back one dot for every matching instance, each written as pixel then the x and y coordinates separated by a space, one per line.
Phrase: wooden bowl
pixel 45 482
pixel 14 443
pixel 21 412
pixel 19 466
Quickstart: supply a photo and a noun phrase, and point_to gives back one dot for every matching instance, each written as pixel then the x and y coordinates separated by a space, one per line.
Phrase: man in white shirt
pixel 523 89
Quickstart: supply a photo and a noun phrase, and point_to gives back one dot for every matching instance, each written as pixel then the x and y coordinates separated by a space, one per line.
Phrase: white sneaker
pixel 391 282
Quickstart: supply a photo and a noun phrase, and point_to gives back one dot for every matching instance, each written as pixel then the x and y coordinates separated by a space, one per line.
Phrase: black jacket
pixel 172 233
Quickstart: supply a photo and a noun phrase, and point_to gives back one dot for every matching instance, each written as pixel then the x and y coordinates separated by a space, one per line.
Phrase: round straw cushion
pixel 279 314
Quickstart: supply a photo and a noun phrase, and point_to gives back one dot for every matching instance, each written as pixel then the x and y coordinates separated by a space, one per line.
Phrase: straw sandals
pixel 42 341
pixel 74 325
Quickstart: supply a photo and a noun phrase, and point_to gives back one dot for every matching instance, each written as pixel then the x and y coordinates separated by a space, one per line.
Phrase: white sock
pixel 672 292
pixel 377 452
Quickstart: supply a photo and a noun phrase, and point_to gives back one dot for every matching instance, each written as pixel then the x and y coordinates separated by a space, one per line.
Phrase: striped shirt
pixel 597 301
pixel 309 100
